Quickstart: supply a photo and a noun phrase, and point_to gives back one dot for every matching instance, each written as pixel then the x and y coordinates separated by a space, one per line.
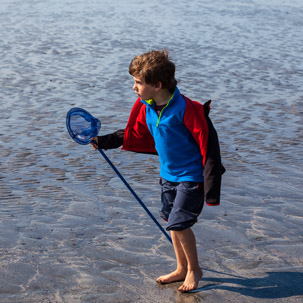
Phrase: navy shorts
pixel 182 203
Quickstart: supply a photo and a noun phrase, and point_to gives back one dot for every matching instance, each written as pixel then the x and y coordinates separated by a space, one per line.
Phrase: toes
pixel 184 289
pixel 187 288
pixel 161 280
pixel 181 288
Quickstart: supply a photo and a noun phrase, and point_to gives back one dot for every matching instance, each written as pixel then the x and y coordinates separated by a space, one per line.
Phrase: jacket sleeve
pixel 113 140
pixel 137 136
pixel 213 168
pixel 197 121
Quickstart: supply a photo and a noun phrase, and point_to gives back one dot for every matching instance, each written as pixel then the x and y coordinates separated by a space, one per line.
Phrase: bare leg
pixel 180 273
pixel 194 273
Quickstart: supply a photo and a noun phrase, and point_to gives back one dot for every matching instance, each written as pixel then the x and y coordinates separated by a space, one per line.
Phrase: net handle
pixel 93 120
pixel 134 194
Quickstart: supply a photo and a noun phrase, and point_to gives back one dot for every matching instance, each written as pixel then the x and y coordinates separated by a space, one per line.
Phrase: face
pixel 144 90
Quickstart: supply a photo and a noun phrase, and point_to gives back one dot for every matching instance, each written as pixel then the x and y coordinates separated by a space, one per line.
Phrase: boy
pixel 165 122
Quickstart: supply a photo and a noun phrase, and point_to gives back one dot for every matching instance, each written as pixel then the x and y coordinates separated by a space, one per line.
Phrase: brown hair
pixel 154 67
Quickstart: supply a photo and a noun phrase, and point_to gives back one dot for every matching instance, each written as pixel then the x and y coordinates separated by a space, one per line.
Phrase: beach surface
pixel 70 231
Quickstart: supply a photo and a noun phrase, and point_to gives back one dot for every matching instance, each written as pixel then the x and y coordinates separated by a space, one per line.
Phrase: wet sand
pixel 70 230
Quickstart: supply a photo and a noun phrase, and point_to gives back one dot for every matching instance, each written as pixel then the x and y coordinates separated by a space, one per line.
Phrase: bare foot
pixel 191 281
pixel 174 276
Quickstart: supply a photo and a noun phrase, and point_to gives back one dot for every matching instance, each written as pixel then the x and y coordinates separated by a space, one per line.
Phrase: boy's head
pixel 154 67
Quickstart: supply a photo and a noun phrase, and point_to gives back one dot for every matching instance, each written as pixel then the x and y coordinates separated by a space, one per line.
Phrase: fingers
pixel 94 142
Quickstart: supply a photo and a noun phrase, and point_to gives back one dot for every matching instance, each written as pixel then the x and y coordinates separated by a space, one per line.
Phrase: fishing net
pixel 81 125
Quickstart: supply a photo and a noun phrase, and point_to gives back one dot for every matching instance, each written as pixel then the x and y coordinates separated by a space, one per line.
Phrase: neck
pixel 162 97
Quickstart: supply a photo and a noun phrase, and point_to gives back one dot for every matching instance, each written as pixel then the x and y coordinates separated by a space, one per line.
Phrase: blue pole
pixel 134 194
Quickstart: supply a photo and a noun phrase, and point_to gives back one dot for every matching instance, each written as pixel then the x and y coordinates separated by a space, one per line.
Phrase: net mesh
pixel 81 125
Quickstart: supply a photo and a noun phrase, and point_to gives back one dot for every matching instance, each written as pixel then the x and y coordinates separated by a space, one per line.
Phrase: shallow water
pixel 70 230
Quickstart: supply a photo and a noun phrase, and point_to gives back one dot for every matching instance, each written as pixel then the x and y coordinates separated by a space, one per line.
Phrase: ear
pixel 158 86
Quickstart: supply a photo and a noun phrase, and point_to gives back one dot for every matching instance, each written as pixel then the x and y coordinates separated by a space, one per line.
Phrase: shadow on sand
pixel 273 286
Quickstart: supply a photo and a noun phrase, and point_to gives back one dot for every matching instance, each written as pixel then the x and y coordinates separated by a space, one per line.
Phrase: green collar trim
pixel 165 107
pixel 152 101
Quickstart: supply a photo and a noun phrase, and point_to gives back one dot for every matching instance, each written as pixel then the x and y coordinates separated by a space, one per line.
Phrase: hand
pixel 94 142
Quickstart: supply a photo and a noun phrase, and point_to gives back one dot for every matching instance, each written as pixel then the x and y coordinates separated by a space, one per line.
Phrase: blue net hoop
pixel 81 125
